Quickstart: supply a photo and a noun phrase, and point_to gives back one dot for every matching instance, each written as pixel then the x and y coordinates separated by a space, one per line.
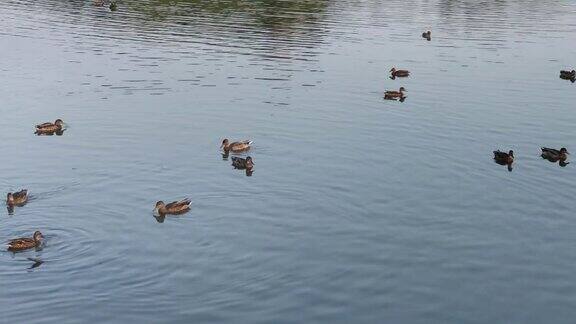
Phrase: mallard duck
pixel 113 6
pixel 395 94
pixel 243 164
pixel 26 243
pixel 427 35
pixel 555 155
pixel 50 128
pixel 173 208
pixel 17 198
pixel 568 75
pixel 503 157
pixel 399 73
pixel 235 146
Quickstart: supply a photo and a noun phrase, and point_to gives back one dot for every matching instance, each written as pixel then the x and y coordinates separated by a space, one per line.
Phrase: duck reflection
pixel 160 218
pixel 36 264
pixel 57 133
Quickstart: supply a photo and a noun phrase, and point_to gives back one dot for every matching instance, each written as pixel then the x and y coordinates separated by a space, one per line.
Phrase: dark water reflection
pixel 359 209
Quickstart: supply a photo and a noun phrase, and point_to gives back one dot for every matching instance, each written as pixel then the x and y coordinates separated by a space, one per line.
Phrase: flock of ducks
pixel 161 209
pixel 20 198
pixel 503 158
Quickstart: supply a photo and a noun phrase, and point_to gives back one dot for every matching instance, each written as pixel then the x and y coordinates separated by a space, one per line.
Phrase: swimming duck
pixel 395 94
pixel 568 75
pixel 555 155
pixel 503 157
pixel 235 146
pixel 25 243
pixel 173 208
pixel 399 73
pixel 50 128
pixel 427 35
pixel 113 6
pixel 17 198
pixel 243 164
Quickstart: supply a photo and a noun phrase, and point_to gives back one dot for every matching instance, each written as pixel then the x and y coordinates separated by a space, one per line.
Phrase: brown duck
pixel 503 157
pixel 235 147
pixel 25 243
pixel 50 128
pixel 243 164
pixel 173 208
pixel 555 155
pixel 399 73
pixel 17 198
pixel 395 94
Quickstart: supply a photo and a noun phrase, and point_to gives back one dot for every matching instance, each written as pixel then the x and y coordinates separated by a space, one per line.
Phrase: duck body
pixel 554 154
pixel 399 73
pixel 50 128
pixel 503 157
pixel 236 147
pixel 173 208
pixel 243 164
pixel 568 75
pixel 17 198
pixel 394 94
pixel 25 243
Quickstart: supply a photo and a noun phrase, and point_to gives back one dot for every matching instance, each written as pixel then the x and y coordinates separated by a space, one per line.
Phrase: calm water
pixel 359 209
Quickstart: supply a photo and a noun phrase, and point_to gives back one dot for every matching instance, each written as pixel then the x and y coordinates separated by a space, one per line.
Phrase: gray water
pixel 359 209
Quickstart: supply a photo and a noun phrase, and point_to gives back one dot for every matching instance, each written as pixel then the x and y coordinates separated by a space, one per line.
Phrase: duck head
pixel 401 90
pixel 10 199
pixel 249 163
pixel 159 205
pixel 38 237
pixel 224 145
pixel 59 123
pixel 511 153
pixel 392 70
pixel 564 151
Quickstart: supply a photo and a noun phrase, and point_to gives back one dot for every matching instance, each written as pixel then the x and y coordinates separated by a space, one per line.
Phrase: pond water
pixel 359 209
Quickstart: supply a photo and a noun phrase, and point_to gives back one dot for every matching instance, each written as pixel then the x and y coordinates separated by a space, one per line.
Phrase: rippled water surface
pixel 359 209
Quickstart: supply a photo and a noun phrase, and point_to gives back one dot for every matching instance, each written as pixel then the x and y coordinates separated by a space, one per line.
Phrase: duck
pixel 427 35
pixel 395 94
pixel 568 75
pixel 17 198
pixel 113 6
pixel 25 243
pixel 243 164
pixel 173 208
pixel 503 157
pixel 399 73
pixel 50 128
pixel 235 147
pixel 555 155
